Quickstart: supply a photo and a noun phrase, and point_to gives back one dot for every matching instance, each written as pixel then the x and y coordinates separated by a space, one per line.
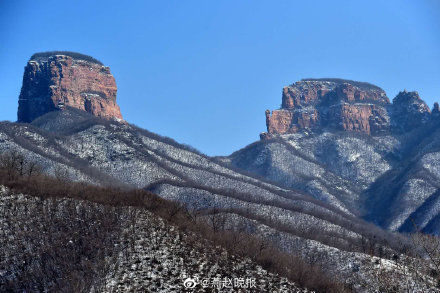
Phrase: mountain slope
pixel 62 236
pixel 392 181
pixel 389 177
pixel 109 152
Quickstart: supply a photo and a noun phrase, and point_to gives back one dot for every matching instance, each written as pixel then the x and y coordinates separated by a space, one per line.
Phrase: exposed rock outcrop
pixel 409 111
pixel 318 104
pixel 56 80
pixel 342 104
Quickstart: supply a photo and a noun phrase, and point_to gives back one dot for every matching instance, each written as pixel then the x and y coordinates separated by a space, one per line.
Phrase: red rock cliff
pixel 317 104
pixel 341 104
pixel 52 82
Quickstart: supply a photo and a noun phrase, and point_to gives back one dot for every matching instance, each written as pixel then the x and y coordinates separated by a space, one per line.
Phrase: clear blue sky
pixel 204 72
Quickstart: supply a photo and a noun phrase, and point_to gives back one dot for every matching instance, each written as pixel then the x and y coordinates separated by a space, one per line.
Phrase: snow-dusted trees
pixel 14 164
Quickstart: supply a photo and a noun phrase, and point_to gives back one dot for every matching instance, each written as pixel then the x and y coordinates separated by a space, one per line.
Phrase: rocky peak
pixel 308 92
pixel 315 104
pixel 55 80
pixel 408 98
pixel 342 104
pixel 409 111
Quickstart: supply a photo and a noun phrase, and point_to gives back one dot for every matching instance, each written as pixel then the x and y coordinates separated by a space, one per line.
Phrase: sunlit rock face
pixel 335 104
pixel 64 79
pixel 330 103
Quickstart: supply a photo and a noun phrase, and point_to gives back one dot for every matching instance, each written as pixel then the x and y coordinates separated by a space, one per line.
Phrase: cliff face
pixel 344 105
pixel 56 81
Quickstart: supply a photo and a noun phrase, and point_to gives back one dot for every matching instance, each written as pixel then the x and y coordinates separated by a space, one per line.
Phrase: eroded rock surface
pixel 55 81
pixel 337 104
pixel 341 104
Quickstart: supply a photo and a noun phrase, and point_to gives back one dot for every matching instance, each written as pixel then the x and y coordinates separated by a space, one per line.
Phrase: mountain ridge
pixel 338 104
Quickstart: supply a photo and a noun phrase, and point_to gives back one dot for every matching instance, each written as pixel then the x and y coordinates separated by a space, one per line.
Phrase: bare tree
pixel 15 165
pixel 217 220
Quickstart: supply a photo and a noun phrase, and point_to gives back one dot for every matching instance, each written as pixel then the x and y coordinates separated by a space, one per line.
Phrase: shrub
pixel 360 84
pixel 75 55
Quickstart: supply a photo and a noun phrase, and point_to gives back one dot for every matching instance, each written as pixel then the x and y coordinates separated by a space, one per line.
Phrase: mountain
pixel 56 79
pixel 338 104
pixel 344 143
pixel 326 161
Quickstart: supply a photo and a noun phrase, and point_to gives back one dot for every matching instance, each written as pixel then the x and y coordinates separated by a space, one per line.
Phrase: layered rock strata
pixel 58 80
pixel 317 104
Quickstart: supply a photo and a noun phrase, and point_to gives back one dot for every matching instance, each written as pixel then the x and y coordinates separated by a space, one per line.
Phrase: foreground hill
pixel 71 245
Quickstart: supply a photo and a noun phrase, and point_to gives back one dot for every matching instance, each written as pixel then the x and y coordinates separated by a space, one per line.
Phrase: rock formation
pixel 345 105
pixel 409 111
pixel 55 80
pixel 316 104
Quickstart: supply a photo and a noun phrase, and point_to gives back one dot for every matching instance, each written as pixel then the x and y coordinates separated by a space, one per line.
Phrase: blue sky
pixel 204 72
